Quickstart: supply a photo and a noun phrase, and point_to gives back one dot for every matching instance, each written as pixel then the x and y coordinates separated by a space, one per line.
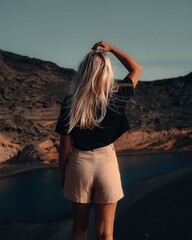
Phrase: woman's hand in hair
pixel 130 64
pixel 102 46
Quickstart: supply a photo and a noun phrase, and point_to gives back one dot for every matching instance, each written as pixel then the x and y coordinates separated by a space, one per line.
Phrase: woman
pixel 92 117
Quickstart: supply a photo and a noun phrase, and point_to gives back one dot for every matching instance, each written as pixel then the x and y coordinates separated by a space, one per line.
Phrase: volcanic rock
pixel 31 90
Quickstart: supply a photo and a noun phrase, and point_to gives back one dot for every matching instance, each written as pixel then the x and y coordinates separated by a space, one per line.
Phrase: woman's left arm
pixel 64 151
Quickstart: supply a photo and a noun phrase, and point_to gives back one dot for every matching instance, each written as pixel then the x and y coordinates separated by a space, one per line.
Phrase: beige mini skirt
pixel 93 176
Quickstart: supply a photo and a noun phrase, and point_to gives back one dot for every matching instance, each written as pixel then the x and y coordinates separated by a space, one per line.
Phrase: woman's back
pixel 113 125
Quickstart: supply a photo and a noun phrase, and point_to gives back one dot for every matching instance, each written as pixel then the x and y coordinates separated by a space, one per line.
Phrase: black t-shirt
pixel 113 125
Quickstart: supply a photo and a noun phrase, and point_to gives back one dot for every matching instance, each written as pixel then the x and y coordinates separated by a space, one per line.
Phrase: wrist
pixel 113 49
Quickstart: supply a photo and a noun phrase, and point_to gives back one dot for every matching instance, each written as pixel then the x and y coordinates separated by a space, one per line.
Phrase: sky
pixel 157 34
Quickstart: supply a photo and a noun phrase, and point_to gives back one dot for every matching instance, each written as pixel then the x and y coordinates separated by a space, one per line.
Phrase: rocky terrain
pixel 31 90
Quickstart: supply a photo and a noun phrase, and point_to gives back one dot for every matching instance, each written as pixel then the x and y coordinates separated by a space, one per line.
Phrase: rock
pixel 31 91
pixel 49 150
pixel 29 154
pixel 173 139
pixel 8 149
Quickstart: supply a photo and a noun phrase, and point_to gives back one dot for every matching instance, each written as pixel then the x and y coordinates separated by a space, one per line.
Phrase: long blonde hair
pixel 91 90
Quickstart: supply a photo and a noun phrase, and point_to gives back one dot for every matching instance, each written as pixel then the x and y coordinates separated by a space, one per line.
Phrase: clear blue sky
pixel 158 34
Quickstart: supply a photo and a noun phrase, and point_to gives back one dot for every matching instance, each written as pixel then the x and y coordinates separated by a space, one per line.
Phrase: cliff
pixel 31 91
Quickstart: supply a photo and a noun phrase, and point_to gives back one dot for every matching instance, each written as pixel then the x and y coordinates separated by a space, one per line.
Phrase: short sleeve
pixel 63 120
pixel 123 94
pixel 126 89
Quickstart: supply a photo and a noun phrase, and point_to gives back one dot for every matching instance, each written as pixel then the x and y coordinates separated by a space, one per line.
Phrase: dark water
pixel 36 195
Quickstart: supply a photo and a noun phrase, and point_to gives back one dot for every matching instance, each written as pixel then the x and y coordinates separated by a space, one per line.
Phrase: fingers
pixel 102 46
pixel 95 47
pixel 100 49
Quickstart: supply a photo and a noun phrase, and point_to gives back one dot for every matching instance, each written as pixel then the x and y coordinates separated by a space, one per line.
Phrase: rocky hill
pixel 31 91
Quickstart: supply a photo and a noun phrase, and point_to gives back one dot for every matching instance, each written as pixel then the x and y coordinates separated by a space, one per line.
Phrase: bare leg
pixel 104 220
pixel 80 212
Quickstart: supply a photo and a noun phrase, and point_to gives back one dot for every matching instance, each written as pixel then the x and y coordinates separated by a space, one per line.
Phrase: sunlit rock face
pixel 173 139
pixel 8 149
pixel 31 90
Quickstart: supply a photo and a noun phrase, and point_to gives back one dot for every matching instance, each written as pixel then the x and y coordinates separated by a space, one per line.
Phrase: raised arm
pixel 130 64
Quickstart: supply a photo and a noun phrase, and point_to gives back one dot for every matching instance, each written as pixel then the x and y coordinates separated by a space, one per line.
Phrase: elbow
pixel 136 69
pixel 137 72
pixel 139 68
pixel 135 75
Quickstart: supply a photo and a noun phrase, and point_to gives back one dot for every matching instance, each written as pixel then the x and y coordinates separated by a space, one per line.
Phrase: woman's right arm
pixel 130 64
pixel 64 151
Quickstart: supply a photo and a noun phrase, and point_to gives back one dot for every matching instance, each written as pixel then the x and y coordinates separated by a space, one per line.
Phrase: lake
pixel 37 197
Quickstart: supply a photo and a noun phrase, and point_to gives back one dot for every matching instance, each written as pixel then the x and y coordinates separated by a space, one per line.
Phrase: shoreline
pixel 8 170
pixel 148 151
pixel 135 195
pixel 13 169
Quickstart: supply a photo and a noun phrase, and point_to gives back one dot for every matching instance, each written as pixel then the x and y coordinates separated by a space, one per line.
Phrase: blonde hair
pixel 90 91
